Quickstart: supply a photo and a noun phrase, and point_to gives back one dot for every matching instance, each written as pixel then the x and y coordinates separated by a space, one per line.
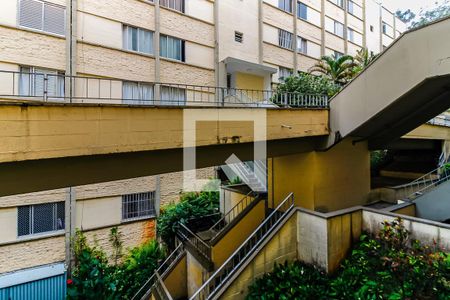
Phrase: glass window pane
pixel 23 220
pixel 134 38
pixel 43 217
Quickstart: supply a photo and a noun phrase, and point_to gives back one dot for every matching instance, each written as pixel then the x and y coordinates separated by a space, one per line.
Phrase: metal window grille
pixel 285 5
pixel 302 11
pixel 138 205
pixel 285 39
pixel 42 16
pixel 238 36
pixel 302 45
pixel 173 4
pixel 40 218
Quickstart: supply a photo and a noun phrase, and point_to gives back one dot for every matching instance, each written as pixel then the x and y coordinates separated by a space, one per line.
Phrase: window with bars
pixel 137 39
pixel 285 39
pixel 40 218
pixel 137 92
pixel 285 5
pixel 302 11
pixel 302 45
pixel 138 205
pixel 171 47
pixel 338 28
pixel 33 82
pixel 173 4
pixel 42 16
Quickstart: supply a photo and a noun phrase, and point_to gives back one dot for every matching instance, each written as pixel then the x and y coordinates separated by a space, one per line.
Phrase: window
pixel 371 28
pixel 302 11
pixel 338 29
pixel 339 3
pixel 171 47
pixel 338 54
pixel 38 82
pixel 302 45
pixel 384 28
pixel 138 205
pixel 137 92
pixel 351 7
pixel 42 16
pixel 40 218
pixel 350 34
pixel 284 72
pixel 285 39
pixel 173 95
pixel 173 4
pixel 238 37
pixel 137 39
pixel 285 5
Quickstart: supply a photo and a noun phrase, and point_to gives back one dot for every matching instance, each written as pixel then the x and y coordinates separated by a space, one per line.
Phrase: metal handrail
pixel 194 240
pixel 426 182
pixel 160 290
pixel 146 288
pixel 87 89
pixel 236 210
pixel 235 260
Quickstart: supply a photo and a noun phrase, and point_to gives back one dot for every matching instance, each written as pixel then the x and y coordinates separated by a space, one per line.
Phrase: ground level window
pixel 40 218
pixel 138 205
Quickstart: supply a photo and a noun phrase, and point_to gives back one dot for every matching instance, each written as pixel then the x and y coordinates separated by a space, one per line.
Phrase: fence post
pixel 45 95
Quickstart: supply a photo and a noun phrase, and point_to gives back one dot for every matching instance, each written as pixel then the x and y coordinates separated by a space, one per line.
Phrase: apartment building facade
pixel 136 50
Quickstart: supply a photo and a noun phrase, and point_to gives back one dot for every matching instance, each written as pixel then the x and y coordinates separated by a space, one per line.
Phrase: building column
pixel 364 24
pixel 322 30
pixel 381 26
pixel 70 223
pixel 345 27
pixel 260 33
pixel 156 47
pixel 71 48
pixel 294 13
pixel 158 195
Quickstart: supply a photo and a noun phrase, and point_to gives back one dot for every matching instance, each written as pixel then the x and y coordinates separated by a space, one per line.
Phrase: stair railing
pixel 235 211
pixel 230 266
pixel 160 291
pixel 195 241
pixel 146 289
pixel 428 181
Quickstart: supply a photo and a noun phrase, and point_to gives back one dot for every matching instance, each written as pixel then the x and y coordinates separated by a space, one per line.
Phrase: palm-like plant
pixel 339 69
pixel 363 59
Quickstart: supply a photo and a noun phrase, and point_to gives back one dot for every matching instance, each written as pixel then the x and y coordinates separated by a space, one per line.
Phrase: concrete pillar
pixel 345 27
pixel 364 24
pixel 156 47
pixel 294 13
pixel 158 195
pixel 322 24
pixel 260 33
pixel 70 223
pixel 71 47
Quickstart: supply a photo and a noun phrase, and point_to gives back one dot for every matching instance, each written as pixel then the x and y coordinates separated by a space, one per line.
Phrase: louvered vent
pixel 42 16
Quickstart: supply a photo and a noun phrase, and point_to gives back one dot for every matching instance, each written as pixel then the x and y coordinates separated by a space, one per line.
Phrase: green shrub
pixel 191 205
pixel 94 278
pixel 386 266
pixel 305 83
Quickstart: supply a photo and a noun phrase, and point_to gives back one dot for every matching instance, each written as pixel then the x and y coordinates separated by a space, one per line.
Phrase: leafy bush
pixel 386 266
pixel 378 159
pixel 94 278
pixel 191 205
pixel 305 83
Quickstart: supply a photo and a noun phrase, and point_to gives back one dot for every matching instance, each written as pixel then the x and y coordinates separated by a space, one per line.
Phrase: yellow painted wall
pixel 176 280
pixel 325 181
pixel 234 238
pixel 8 224
pixel 249 82
pixel 409 210
pixel 196 274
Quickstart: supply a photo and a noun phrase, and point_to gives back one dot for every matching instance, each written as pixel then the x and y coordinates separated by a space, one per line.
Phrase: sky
pixel 414 5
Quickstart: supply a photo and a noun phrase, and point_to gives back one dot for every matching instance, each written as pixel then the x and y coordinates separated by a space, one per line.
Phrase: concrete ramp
pixel 407 85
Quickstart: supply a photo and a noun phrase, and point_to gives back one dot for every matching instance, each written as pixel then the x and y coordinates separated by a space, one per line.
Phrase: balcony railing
pixel 217 280
pixel 59 88
pixel 186 235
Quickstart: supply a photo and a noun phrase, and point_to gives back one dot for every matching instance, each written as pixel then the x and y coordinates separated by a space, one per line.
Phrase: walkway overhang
pixel 237 65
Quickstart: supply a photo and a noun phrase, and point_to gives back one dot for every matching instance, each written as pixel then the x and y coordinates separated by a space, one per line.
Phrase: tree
pixel 338 69
pixel 427 16
pixel 362 59
pixel 406 16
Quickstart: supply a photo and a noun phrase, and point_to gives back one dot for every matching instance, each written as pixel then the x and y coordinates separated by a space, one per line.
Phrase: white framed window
pixel 40 82
pixel 302 45
pixel 137 92
pixel 172 47
pixel 285 5
pixel 173 4
pixel 338 29
pixel 42 16
pixel 350 34
pixel 138 205
pixel 284 72
pixel 302 11
pixel 137 39
pixel 285 39
pixel 172 95
pixel 40 218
